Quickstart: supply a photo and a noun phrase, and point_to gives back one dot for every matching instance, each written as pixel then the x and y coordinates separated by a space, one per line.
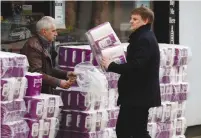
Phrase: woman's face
pixel 136 21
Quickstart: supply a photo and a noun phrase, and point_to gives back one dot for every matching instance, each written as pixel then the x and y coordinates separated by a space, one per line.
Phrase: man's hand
pixel 72 76
pixel 105 62
pixel 65 84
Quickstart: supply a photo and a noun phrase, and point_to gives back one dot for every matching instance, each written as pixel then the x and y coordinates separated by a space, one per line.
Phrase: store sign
pixel 172 22
pixel 60 14
pixel 26 9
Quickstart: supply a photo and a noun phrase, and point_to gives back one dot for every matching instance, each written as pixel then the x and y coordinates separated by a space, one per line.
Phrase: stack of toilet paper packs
pixel 13 88
pixel 42 109
pixel 84 114
pixel 168 120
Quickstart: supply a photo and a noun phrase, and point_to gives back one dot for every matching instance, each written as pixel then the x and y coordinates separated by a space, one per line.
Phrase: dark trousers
pixel 132 122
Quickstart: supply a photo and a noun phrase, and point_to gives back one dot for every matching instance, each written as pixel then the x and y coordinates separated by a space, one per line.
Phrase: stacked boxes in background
pixel 168 120
pixel 42 109
pixel 13 88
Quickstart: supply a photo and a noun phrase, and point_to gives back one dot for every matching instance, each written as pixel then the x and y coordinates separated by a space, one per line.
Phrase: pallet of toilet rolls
pixel 25 112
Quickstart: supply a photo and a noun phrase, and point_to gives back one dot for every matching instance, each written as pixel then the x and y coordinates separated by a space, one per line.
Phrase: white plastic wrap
pixel 44 128
pixel 13 88
pixel 104 42
pixel 12 111
pixel 13 65
pixel 16 129
pixel 43 106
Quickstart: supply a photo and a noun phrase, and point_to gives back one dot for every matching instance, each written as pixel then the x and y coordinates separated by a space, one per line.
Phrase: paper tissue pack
pixel 34 83
pixel 17 129
pixel 69 56
pixel 13 65
pixel 7 89
pixel 20 88
pixel 43 106
pixel 104 42
pixel 12 111
pixel 36 128
pixel 112 117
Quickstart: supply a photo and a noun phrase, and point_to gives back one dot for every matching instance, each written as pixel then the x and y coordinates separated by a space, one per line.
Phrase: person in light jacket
pixel 138 85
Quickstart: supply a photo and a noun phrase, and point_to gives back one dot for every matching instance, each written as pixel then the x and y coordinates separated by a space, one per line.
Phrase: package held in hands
pixel 104 42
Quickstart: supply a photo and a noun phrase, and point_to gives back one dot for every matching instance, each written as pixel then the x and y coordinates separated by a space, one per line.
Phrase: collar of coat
pixel 46 44
pixel 137 32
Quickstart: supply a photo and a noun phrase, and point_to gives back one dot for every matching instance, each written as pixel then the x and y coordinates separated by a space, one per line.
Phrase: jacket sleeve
pixel 139 59
pixel 59 73
pixel 35 65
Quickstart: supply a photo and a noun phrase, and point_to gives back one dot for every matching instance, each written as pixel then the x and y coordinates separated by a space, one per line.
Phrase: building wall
pixel 190 29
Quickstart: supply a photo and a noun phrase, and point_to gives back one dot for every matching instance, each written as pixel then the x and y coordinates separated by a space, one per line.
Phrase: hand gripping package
pixel 104 42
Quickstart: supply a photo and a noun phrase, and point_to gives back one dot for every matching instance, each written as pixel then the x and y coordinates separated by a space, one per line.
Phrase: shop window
pixel 80 16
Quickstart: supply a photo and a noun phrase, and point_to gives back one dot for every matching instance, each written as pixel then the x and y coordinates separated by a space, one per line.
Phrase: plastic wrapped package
pixel 102 120
pixel 112 79
pixel 34 83
pixel 112 98
pixel 162 91
pixel 44 128
pixel 159 113
pixel 169 111
pixel 112 117
pixel 20 88
pixel 164 130
pixel 13 65
pixel 184 91
pixel 176 92
pixel 180 126
pixel 152 112
pixel 17 129
pixel 168 92
pixel 69 56
pixel 43 106
pixel 13 88
pixel 12 111
pixel 152 129
pixel 104 42
pixel 181 109
pixel 7 89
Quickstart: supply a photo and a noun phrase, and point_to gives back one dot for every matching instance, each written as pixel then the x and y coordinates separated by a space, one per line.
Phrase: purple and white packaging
pixel 20 65
pixel 112 98
pixel 176 92
pixel 163 94
pixel 7 64
pixel 84 135
pixel 164 130
pixel 68 120
pixel 112 117
pixel 34 84
pixel 169 111
pixel 184 91
pixel 159 113
pixel 7 89
pixel 12 111
pixel 152 112
pixel 20 88
pixel 36 128
pixel 168 92
pixel 103 36
pixel 86 121
pixel 181 109
pixel 17 129
pixel 50 127
pixel 180 126
pixel 152 129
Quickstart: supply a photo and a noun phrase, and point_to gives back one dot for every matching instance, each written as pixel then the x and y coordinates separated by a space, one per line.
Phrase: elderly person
pixel 138 85
pixel 40 55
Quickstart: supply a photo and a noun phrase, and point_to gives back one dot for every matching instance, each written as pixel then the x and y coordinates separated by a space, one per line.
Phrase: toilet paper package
pixel 20 88
pixel 71 55
pixel 43 106
pixel 180 126
pixel 104 42
pixel 44 128
pixel 12 111
pixel 169 111
pixel 34 84
pixel 13 65
pixel 7 89
pixel 181 109
pixel 112 117
pixel 164 130
pixel 13 88
pixel 16 129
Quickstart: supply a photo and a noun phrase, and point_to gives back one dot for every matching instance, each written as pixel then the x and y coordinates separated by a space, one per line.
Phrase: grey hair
pixel 45 22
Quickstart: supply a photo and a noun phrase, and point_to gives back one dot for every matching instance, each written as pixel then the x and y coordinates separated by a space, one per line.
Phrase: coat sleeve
pixel 59 73
pixel 35 65
pixel 140 57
